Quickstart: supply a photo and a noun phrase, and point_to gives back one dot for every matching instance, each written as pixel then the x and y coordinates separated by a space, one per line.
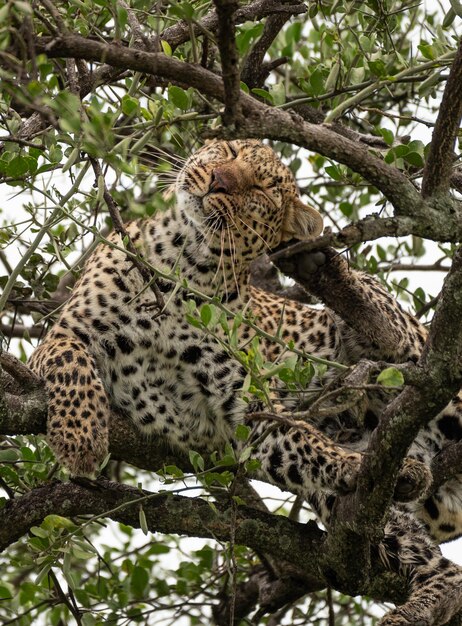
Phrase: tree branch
pixel 165 512
pixel 293 542
pixel 441 376
pixel 260 119
pixel 255 72
pixel 229 56
pixel 446 465
pixel 438 168
pixel 180 32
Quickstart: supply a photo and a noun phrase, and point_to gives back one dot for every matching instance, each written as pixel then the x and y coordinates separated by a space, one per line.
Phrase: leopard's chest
pixel 171 378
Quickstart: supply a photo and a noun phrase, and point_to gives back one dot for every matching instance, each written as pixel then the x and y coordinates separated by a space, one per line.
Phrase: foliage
pixel 376 67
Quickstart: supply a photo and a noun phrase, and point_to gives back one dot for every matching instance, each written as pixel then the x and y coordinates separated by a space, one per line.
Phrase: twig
pixel 19 330
pixel 20 372
pixel 379 84
pixel 179 33
pixel 140 40
pixel 148 276
pixel 64 599
pixel 54 12
pixel 38 238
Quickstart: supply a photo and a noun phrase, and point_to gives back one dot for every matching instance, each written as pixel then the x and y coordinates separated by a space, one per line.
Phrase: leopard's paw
pixel 348 476
pixel 81 456
pixel 414 480
pixel 310 262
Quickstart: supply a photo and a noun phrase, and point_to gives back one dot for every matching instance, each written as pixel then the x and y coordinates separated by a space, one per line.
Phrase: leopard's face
pixel 240 192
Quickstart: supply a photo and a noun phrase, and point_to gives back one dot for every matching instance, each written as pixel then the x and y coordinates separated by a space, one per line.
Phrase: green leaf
pixel 391 377
pixel 139 581
pixel 193 321
pixel 173 470
pixel 129 105
pixel 166 48
pixel 414 158
pixel 427 50
pixel 286 375
pixel 387 136
pixel 4 11
pixel 449 18
pixel 331 79
pixel 43 572
pixel 196 460
pixel 377 67
pixel 17 167
pixel 242 432
pixel 122 17
pixel 317 82
pixel 263 94
pixel 9 455
pixel 278 93
pixel 83 555
pixel 334 172
pixel 159 548
pixel 178 97
pixel 143 521
pixel 245 454
pixel 57 521
pixel 428 85
pixel 206 314
pixel 5 593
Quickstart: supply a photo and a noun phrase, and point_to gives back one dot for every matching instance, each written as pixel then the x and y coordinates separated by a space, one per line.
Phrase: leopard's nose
pixel 223 181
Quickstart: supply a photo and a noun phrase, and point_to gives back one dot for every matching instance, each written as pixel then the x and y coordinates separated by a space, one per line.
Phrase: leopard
pixel 112 350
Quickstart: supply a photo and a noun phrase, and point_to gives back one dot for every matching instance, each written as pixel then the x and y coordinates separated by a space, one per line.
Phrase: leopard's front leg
pixel 297 457
pixel 78 406
pixel 376 326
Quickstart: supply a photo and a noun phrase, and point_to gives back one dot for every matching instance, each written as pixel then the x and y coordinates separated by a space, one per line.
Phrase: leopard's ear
pixel 301 221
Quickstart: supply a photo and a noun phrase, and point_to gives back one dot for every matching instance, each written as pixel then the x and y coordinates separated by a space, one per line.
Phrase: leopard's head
pixel 240 192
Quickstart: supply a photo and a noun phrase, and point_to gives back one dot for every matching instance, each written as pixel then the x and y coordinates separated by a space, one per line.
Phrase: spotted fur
pixel 110 350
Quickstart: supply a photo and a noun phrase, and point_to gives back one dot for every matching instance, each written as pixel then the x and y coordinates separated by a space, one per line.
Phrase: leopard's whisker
pixel 254 231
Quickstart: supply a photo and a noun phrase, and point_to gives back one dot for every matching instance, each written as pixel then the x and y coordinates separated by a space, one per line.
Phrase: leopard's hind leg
pixel 435 582
pixel 78 407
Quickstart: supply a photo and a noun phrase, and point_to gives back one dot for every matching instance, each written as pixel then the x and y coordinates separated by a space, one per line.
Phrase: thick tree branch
pixel 374 227
pixel 300 544
pixel 260 120
pixel 438 168
pixel 166 513
pixel 441 375
pixel 229 56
